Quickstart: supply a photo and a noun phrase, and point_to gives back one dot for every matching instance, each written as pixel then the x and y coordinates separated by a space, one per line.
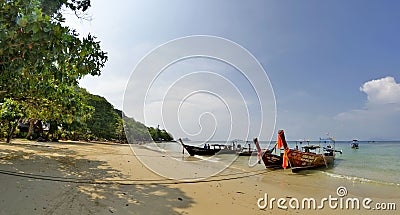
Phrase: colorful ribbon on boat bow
pixel 285 159
pixel 279 142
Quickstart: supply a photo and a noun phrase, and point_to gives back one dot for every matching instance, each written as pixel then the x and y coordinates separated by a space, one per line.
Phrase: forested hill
pixel 102 122
pixel 106 122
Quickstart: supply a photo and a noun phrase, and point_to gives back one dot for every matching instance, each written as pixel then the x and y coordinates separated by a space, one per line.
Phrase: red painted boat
pixel 306 159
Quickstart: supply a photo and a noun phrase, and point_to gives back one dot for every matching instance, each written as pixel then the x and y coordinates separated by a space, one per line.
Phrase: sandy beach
pixel 107 178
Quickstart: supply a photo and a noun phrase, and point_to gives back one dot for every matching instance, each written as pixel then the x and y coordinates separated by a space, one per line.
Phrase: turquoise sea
pixel 373 163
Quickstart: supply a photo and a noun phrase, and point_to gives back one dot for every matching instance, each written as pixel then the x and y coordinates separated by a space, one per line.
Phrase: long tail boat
pixel 246 151
pixel 300 160
pixel 270 160
pixel 207 149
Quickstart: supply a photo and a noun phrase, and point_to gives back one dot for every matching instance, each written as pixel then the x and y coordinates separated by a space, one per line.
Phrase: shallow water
pixel 373 162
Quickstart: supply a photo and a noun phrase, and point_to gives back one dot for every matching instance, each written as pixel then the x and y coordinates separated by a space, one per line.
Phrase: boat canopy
pixel 311 147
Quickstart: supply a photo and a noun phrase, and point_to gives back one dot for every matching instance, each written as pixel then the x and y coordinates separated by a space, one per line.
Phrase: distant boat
pixel 225 149
pixel 271 161
pixel 246 152
pixel 354 144
pixel 329 141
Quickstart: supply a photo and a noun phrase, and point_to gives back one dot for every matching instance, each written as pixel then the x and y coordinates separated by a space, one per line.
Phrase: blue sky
pixel 334 65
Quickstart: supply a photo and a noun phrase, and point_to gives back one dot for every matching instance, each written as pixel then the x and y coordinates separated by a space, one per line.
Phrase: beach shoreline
pixel 107 178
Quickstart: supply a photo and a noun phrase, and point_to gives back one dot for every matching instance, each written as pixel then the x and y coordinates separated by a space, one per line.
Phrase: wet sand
pixel 107 178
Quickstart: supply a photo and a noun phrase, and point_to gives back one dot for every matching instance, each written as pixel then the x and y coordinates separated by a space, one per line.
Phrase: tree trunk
pixel 39 124
pixel 11 131
pixel 31 123
pixel 52 131
pixel 47 136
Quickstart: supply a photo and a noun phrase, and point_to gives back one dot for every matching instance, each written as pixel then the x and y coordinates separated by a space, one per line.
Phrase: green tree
pixel 165 135
pixel 10 113
pixel 42 60
pixel 135 131
pixel 154 133
pixel 159 135
pixel 104 122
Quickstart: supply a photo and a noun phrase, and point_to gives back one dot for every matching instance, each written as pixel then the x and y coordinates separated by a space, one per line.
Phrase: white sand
pixel 94 178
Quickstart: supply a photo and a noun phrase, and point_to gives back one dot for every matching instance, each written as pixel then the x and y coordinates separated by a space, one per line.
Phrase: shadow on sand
pixel 37 179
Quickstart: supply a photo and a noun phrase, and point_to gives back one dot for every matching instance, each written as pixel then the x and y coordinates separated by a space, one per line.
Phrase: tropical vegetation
pixel 41 63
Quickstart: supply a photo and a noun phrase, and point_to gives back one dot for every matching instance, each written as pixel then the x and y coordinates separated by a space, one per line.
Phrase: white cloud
pixel 382 91
pixel 380 115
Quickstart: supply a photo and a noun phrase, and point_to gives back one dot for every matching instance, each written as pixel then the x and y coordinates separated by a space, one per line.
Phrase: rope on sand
pixel 224 177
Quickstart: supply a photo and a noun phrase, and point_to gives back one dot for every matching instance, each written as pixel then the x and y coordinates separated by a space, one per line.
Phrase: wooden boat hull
pixel 246 153
pixel 272 161
pixel 307 160
pixel 299 160
pixel 226 151
pixel 194 150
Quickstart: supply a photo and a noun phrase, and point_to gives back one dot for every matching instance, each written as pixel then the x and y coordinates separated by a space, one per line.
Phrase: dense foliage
pixel 135 131
pixel 41 63
pixel 10 113
pixel 138 132
pixel 107 123
pixel 104 120
pixel 160 135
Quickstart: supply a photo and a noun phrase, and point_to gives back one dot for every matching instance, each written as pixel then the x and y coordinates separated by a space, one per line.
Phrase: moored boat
pixel 269 159
pixel 207 149
pixel 246 152
pixel 307 158
pixel 225 149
